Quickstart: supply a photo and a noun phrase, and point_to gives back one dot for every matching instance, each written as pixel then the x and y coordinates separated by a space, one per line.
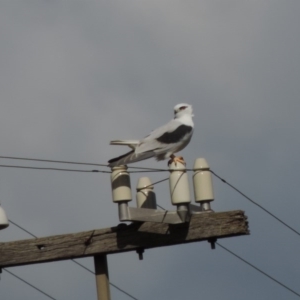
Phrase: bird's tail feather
pixel 130 143
pixel 129 157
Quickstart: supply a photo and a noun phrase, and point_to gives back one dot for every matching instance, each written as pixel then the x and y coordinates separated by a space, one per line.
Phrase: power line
pixel 116 287
pixel 78 163
pixel 76 170
pixel 82 266
pixel 54 169
pixel 255 203
pixel 259 270
pixel 53 161
pixel 140 170
pixel 34 287
pixel 20 227
pixel 157 182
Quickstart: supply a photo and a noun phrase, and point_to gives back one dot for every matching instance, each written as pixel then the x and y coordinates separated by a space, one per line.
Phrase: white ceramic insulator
pixel 145 196
pixel 179 184
pixel 3 219
pixel 120 183
pixel 202 179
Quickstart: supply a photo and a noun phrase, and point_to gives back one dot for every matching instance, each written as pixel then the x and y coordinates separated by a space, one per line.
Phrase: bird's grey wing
pixel 169 138
pixel 160 139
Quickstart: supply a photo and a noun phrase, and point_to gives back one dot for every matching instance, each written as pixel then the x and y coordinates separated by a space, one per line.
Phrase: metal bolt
pixel 212 242
pixel 140 252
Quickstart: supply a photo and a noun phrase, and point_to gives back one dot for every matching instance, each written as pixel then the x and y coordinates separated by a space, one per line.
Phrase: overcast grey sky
pixel 76 74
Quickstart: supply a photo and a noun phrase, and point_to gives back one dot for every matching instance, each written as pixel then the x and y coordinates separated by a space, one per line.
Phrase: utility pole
pixel 150 228
pixel 102 280
pixel 122 238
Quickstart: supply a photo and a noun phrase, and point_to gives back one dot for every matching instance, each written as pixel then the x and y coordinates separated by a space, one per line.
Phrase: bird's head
pixel 183 109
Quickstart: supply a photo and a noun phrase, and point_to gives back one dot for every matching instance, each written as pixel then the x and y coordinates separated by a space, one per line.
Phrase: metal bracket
pixel 182 215
pixel 134 214
pixel 203 208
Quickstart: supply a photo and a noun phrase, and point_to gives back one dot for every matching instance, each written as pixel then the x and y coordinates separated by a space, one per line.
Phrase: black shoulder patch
pixel 176 135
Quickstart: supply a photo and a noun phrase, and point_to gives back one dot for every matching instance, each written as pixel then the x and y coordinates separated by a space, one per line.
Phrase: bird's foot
pixel 175 159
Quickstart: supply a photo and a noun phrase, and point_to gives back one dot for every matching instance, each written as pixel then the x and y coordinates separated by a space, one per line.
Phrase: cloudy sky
pixel 75 74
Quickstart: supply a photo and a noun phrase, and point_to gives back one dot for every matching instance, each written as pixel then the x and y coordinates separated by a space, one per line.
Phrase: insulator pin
pixel 179 184
pixel 145 196
pixel 120 182
pixel 203 187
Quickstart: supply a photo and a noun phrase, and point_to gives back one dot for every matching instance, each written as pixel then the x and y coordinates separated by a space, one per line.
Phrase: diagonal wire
pixel 29 284
pixel 259 270
pixel 116 287
pixel 251 265
pixel 10 221
pixel 160 207
pixel 146 170
pixel 154 183
pixel 255 203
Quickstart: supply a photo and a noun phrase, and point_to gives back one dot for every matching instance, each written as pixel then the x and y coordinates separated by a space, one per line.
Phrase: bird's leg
pixel 176 159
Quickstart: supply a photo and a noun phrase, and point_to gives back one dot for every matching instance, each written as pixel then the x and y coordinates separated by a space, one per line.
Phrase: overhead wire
pixel 255 203
pixel 257 269
pixel 154 183
pixel 75 170
pixel 69 170
pixel 139 170
pixel 79 264
pixel 248 263
pixel 53 161
pixel 142 169
pixel 22 228
pixel 116 287
pixel 77 163
pixel 54 169
pixel 31 285
pixel 129 295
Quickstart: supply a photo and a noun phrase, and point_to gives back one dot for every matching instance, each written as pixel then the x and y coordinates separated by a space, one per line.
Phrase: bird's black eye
pixel 182 107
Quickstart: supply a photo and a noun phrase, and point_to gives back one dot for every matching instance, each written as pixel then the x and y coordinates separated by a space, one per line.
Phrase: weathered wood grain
pixel 122 238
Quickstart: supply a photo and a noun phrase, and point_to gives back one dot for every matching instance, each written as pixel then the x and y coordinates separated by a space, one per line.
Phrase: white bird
pixel 163 142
